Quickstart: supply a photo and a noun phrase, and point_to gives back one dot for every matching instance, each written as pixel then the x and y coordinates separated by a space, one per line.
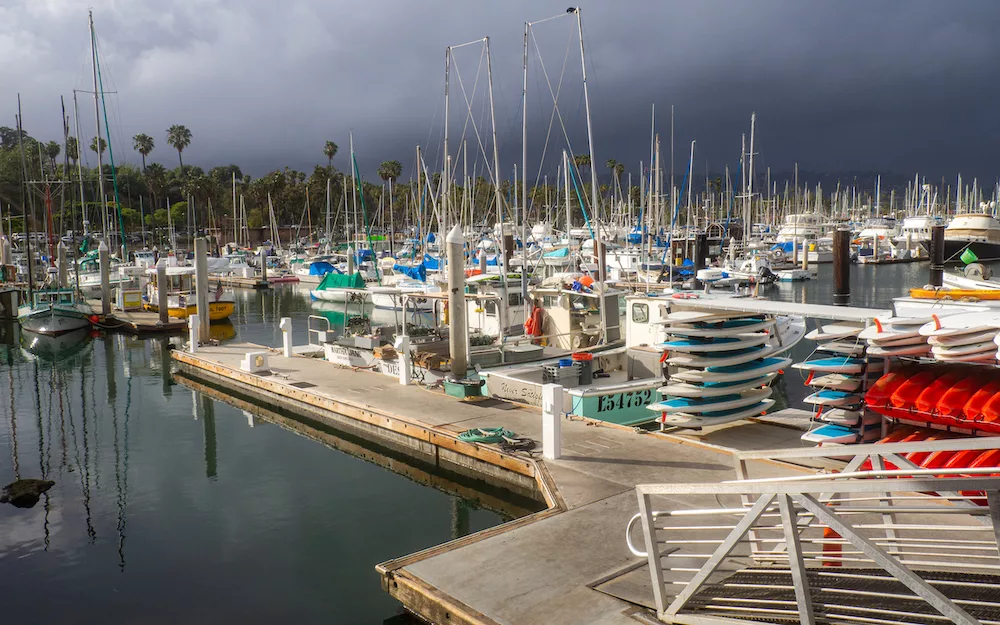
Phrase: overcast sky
pixel 902 86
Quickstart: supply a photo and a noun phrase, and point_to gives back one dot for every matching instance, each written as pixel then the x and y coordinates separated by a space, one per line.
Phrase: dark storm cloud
pixel 890 85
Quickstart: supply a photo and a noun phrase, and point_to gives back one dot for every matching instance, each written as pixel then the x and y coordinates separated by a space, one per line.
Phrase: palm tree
pixel 179 137
pixel 143 144
pixel 94 143
pixel 73 150
pixel 330 149
pixel 156 178
pixel 52 150
pixel 389 171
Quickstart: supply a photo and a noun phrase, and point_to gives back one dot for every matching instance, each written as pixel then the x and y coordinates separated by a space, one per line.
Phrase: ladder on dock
pixel 864 544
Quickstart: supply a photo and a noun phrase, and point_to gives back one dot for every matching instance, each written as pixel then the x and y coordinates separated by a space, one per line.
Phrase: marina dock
pixel 136 321
pixel 567 563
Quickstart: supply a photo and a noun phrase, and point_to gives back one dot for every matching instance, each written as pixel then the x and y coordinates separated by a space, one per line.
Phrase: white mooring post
pixel 402 346
pixel 552 410
pixel 286 335
pixel 194 326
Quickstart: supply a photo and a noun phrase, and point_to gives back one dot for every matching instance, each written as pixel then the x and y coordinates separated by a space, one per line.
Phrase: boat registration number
pixel 622 401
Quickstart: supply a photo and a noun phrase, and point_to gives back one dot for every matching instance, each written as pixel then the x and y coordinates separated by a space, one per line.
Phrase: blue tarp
pixel 562 252
pixel 321 268
pixel 363 255
pixel 431 238
pixel 418 272
pixel 432 263
pixel 786 247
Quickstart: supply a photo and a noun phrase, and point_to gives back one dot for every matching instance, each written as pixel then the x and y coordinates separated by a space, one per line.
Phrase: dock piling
pixel 194 329
pixel 841 267
pixel 61 264
pixel 286 335
pixel 161 291
pixel 350 260
pixel 805 256
pixel 104 260
pixel 201 287
pixel 700 256
pixel 457 337
pixel 552 408
pixel 263 264
pixel 937 256
pixel 4 252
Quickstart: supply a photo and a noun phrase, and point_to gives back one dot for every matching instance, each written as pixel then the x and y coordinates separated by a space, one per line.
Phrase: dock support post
pixel 552 409
pixel 937 256
pixel 194 328
pixel 805 255
pixel 458 336
pixel 201 287
pixel 402 345
pixel 700 256
pixel 161 291
pixel 841 267
pixel 104 261
pixel 350 260
pixel 286 335
pixel 263 264
pixel 482 262
pixel 61 264
pixel 4 252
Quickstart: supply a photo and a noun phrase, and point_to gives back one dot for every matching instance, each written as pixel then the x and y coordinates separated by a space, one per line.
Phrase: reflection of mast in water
pixel 41 449
pixel 97 428
pixel 208 408
pixel 84 466
pixel 12 426
pixel 62 422
pixel 459 517
pixel 121 469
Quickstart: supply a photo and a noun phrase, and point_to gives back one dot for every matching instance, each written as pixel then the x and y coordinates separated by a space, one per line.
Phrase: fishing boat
pixel 182 300
pixel 54 312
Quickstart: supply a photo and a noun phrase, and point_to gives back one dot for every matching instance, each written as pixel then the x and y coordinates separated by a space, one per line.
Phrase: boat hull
pixel 53 322
pixel 953 249
pixel 217 311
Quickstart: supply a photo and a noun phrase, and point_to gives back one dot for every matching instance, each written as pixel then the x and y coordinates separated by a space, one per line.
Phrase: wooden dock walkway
pixel 136 322
pixel 542 568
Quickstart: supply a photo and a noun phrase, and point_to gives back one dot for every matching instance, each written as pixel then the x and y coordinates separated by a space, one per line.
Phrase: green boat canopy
pixel 341 281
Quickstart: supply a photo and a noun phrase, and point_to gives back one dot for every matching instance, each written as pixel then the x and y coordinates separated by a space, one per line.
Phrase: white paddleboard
pixel 711 405
pixel 723 344
pixel 683 329
pixel 849 418
pixel 835 364
pixel 701 316
pixel 833 398
pixel 963 323
pixel 836 382
pixel 982 357
pixel 681 419
pixel 963 339
pixel 686 389
pixel 899 350
pixel 961 350
pixel 834 331
pixel 721 359
pixel 734 373
pixel 874 333
pixel 912 339
pixel 845 347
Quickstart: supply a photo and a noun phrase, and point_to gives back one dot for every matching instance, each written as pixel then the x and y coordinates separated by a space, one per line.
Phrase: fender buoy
pixel 685 296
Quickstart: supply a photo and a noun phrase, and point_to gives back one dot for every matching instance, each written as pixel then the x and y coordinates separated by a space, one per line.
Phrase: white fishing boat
pixel 54 312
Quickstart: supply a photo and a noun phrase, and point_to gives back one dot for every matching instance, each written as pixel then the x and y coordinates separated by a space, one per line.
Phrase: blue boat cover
pixel 432 263
pixel 418 272
pixel 321 268
pixel 786 247
pixel 431 238
pixel 562 252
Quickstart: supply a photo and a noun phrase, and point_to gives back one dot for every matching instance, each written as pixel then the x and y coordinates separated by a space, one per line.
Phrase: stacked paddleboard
pixel 725 364
pixel 838 375
pixel 896 336
pixel 964 337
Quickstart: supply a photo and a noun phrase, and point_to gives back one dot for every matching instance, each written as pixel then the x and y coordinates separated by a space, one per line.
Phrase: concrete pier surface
pixel 566 564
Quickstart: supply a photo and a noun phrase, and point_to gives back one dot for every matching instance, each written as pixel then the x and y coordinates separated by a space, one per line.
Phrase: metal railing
pixel 880 546
pixel 320 330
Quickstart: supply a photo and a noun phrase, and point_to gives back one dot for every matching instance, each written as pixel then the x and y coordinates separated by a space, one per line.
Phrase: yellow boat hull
pixel 956 294
pixel 217 311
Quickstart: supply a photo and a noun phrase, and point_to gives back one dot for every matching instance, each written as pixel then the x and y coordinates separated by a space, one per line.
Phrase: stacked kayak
pixel 838 375
pixel 724 365
pixel 952 396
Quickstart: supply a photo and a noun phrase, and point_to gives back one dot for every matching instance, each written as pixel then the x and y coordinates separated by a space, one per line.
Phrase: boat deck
pixel 137 321
pixel 542 568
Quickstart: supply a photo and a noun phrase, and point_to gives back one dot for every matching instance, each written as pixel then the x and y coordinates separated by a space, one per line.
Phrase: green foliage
pixel 330 150
pixel 73 150
pixel 179 137
pixel 178 212
pixel 131 217
pixel 255 218
pixel 160 218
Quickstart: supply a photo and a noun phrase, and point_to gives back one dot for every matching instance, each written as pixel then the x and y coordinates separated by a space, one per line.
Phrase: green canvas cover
pixel 341 281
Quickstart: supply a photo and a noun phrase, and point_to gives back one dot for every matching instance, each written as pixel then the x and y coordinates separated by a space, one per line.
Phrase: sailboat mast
pixel 504 269
pixel 97 118
pixel 524 170
pixel 79 164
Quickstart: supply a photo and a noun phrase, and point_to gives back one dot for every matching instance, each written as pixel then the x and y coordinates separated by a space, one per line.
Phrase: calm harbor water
pixel 171 506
